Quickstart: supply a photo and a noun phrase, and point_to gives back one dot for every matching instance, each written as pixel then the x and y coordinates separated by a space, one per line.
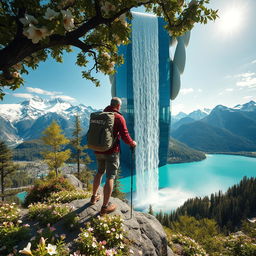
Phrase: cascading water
pixel 145 58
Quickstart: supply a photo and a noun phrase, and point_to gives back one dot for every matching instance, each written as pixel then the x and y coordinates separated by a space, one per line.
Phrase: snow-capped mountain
pixel 182 118
pixel 250 106
pixel 26 121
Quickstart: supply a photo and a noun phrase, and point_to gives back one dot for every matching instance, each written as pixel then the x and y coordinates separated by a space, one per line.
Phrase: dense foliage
pixel 228 209
pixel 44 188
pixel 181 153
pixel 191 237
pixel 7 168
pixel 32 30
pixel 29 150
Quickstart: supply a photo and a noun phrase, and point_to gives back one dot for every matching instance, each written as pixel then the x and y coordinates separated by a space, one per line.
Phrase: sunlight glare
pixel 232 20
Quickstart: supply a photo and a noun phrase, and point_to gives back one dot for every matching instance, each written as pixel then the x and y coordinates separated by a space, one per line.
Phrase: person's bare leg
pixel 108 188
pixel 96 182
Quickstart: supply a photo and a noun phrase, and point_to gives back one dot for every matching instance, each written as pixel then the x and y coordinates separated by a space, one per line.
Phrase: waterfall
pixel 145 68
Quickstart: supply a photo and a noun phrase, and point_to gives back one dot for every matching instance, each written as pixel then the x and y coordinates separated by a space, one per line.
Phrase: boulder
pixel 144 231
pixel 74 180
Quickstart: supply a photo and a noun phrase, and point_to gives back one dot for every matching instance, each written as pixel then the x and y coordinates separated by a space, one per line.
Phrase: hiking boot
pixel 107 209
pixel 95 199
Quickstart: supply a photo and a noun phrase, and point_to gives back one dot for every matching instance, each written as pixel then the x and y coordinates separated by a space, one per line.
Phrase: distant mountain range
pixel 222 130
pixel 26 121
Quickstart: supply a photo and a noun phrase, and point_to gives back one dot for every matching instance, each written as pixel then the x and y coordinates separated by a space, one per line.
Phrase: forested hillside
pixel 227 209
pixel 181 153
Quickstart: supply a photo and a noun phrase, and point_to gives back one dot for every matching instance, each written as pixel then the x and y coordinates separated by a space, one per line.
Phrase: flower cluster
pixel 9 212
pixel 67 196
pixel 239 244
pixel 45 213
pixel 11 233
pixel 103 236
pixel 190 246
pixel 32 30
pixel 43 248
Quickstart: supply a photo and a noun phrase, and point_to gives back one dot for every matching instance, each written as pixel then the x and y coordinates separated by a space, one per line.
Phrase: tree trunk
pixel 2 184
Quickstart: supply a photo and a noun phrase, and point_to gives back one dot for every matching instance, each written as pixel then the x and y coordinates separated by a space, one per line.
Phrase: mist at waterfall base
pixel 179 182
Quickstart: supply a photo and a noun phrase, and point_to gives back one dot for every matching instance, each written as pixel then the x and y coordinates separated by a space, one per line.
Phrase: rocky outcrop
pixel 144 231
pixel 74 180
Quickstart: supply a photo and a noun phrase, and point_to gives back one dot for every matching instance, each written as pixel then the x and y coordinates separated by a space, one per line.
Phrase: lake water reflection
pixel 178 182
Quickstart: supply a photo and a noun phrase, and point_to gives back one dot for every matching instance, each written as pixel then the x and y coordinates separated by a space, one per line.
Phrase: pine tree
pixel 150 210
pixel 76 144
pixel 7 167
pixel 55 157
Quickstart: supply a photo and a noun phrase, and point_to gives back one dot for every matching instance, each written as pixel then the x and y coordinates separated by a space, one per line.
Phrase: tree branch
pixel 95 60
pixel 97 8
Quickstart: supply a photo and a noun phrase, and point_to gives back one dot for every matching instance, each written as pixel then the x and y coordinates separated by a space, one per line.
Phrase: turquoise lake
pixel 178 182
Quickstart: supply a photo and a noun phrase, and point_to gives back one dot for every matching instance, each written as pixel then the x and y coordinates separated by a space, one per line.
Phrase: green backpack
pixel 100 134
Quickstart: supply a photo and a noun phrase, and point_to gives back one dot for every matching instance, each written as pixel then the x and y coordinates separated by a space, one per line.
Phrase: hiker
pixel 109 160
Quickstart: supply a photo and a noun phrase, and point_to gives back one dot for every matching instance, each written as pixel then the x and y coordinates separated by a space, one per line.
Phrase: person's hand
pixel 134 144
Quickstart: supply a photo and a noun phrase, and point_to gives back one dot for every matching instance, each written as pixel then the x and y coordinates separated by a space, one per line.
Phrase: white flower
pixel 94 245
pixel 90 229
pixel 122 18
pixel 106 55
pixel 51 249
pixel 17 66
pixel 108 7
pixel 16 75
pixel 68 20
pixel 117 39
pixel 26 250
pixel 50 14
pixel 28 19
pixel 86 234
pixel 117 236
pixel 111 66
pixel 35 34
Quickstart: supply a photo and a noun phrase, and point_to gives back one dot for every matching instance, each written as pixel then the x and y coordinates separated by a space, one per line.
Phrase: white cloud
pixel 41 91
pixel 253 62
pixel 248 97
pixel 229 90
pixel 64 97
pixel 186 91
pixel 199 90
pixel 245 75
pixel 246 80
pixel 23 95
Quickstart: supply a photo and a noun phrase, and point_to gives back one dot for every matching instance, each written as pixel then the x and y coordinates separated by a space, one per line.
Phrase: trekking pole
pixel 132 162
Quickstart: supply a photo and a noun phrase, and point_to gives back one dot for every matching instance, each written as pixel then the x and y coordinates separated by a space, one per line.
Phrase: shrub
pixel 67 196
pixel 239 245
pixel 189 246
pixel 44 188
pixel 45 213
pixel 103 236
pixel 9 212
pixel 11 228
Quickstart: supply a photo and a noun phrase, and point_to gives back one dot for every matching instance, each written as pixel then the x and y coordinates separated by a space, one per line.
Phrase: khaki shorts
pixel 109 163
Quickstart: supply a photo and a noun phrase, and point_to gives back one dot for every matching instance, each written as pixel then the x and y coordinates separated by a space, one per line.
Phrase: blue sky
pixel 220 67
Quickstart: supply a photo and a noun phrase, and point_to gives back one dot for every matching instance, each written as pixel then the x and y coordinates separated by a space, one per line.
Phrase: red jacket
pixel 119 130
